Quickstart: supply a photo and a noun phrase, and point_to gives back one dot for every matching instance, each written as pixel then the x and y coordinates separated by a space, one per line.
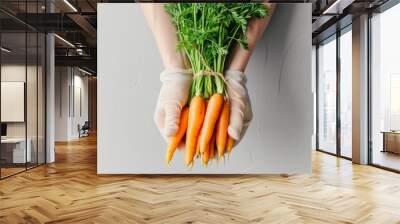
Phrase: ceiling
pixel 76 22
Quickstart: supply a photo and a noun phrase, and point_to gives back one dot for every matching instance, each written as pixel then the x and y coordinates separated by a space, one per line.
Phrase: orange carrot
pixel 222 129
pixel 174 141
pixel 212 114
pixel 197 147
pixel 212 147
pixel 212 151
pixel 206 155
pixel 229 144
pixel 197 154
pixel 195 121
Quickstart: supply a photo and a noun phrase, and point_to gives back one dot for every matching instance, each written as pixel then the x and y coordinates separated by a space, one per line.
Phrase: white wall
pixel 33 127
pixel 17 72
pixel 79 117
pixel 279 82
pixel 62 81
pixel 67 117
pixel 12 101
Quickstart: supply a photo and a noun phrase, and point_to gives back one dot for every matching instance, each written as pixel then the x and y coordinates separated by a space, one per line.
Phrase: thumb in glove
pixel 173 96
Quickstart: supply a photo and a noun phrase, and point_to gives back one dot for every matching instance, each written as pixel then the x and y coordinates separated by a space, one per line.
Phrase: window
pixel 394 102
pixel 334 66
pixel 346 74
pixel 385 89
pixel 327 96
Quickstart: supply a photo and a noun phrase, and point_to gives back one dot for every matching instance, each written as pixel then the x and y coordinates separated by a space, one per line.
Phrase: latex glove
pixel 173 96
pixel 241 113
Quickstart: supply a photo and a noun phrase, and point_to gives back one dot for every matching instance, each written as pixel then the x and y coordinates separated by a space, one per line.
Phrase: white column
pixel 50 94
pixel 360 90
pixel 314 92
pixel 63 101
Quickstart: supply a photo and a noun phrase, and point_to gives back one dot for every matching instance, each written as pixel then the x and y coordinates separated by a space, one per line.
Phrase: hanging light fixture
pixel 64 40
pixel 70 5
pixel 5 50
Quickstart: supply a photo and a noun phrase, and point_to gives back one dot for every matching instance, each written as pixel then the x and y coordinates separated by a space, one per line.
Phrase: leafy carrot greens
pixel 207 32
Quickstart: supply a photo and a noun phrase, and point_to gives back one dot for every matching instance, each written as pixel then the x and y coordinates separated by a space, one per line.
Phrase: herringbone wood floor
pixel 69 191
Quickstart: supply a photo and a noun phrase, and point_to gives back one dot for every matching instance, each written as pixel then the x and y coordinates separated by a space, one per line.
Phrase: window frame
pixel 334 37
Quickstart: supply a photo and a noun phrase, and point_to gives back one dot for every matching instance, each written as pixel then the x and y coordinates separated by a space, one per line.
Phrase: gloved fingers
pixel 241 113
pixel 244 130
pixel 159 119
pixel 239 132
pixel 172 97
pixel 248 114
pixel 235 122
pixel 172 117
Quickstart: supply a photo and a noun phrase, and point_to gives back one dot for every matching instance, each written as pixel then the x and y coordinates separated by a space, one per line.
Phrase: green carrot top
pixel 207 32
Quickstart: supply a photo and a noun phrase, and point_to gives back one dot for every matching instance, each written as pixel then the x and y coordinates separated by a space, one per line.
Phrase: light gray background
pixel 279 81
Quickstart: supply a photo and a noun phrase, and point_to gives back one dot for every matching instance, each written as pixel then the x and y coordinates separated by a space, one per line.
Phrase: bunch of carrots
pixel 205 123
pixel 207 32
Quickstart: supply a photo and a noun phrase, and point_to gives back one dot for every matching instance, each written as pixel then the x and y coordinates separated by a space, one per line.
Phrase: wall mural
pixel 235 94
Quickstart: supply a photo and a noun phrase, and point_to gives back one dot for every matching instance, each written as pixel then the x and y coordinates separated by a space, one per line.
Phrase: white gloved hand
pixel 173 96
pixel 241 112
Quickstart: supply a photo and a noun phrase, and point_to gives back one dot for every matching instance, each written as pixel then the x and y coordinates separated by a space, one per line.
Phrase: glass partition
pixel 327 96
pixel 32 97
pixel 22 101
pixel 41 107
pixel 14 153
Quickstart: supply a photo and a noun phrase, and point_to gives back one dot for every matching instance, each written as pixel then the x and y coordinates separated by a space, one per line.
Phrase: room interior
pixel 22 102
pixel 48 150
